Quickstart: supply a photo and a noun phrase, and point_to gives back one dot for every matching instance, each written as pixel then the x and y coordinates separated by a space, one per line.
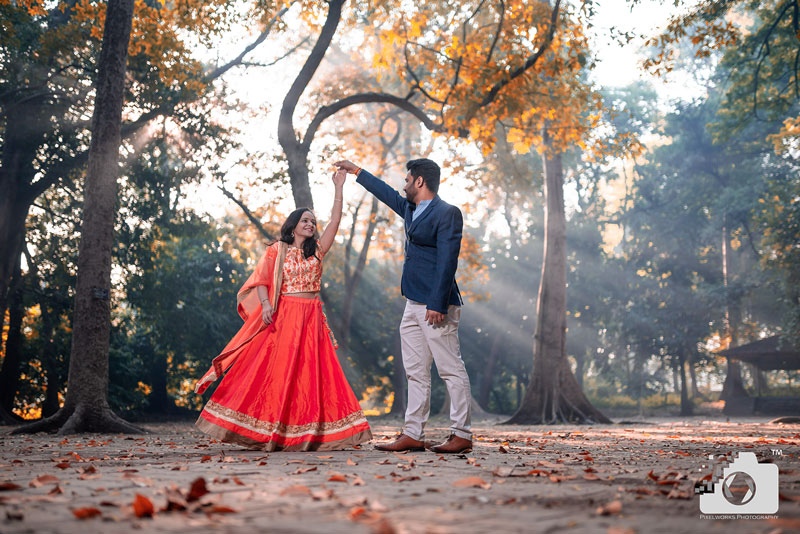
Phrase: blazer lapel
pixel 434 202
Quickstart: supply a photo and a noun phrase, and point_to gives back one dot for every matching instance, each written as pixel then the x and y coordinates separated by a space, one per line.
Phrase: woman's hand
pixel 266 312
pixel 339 177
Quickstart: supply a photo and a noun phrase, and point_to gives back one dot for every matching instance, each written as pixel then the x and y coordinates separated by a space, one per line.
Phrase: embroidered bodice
pixel 301 275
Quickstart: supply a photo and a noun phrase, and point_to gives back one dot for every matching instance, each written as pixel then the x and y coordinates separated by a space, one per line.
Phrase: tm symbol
pixel 777 452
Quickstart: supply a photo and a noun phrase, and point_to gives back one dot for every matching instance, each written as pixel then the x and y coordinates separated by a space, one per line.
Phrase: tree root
pixel 80 420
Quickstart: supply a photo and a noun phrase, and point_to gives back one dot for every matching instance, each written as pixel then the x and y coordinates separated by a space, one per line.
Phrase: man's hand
pixel 347 166
pixel 434 318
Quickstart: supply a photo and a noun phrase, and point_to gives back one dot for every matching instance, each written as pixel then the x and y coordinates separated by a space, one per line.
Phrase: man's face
pixel 410 188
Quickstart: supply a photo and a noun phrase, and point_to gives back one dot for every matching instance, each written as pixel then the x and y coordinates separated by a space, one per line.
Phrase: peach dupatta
pixel 269 273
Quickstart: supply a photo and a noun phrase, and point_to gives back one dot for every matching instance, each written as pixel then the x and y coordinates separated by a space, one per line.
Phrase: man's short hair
pixel 428 170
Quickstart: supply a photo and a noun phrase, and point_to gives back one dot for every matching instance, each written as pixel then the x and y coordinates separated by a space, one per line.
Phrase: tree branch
pixel 530 62
pixel 249 214
pixel 367 98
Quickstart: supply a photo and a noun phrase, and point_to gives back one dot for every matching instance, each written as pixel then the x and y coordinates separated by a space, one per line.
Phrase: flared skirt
pixel 287 390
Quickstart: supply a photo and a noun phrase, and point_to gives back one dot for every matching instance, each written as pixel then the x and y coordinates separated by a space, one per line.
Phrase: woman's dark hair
pixel 309 245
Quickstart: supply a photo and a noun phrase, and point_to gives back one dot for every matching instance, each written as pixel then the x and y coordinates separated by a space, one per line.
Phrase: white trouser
pixel 422 345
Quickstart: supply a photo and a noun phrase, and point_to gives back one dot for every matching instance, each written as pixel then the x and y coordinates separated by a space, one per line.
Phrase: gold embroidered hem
pixel 227 436
pixel 267 428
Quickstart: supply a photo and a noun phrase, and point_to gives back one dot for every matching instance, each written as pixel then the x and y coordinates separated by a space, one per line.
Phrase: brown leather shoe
pixel 454 445
pixel 401 444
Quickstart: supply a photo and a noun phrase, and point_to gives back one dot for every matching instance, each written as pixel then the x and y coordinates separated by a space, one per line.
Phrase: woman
pixel 284 388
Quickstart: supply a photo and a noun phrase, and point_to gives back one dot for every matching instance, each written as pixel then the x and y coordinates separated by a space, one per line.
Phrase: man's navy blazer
pixel 433 242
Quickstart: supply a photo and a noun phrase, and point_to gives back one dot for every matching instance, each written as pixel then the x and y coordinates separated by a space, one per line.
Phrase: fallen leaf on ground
pixel 302 470
pixel 42 480
pixel 142 506
pixel 86 513
pixel 612 508
pixel 14 515
pixel 219 509
pixel 197 490
pixel 323 495
pixel 298 489
pixel 175 501
pixel 472 482
pixel 9 486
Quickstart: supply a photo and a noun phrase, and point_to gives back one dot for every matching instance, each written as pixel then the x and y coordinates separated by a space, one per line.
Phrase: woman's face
pixel 306 227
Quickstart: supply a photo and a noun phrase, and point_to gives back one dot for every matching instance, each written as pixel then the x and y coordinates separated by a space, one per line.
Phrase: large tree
pixel 49 53
pixel 464 73
pixel 86 407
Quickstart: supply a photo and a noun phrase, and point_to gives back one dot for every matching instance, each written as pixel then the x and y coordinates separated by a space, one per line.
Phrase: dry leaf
pixel 197 490
pixel 219 509
pixel 337 477
pixel 42 480
pixel 612 508
pixel 86 513
pixel 9 486
pixel 356 512
pixel 14 515
pixel 299 489
pixel 175 501
pixel 503 471
pixel 322 495
pixel 142 506
pixel 472 482
pixel 301 470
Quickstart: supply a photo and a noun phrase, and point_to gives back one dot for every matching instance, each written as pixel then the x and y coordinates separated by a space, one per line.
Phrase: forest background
pixel 679 218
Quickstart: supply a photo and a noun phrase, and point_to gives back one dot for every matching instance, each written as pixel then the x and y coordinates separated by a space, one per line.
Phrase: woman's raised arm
pixel 329 234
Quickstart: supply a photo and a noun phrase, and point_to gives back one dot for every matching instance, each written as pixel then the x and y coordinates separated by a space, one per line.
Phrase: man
pixel 429 328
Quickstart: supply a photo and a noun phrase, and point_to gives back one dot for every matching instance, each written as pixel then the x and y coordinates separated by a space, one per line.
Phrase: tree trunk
pixel 487 377
pixel 353 275
pixel 12 358
pixel 86 407
pixel 695 391
pixel 733 386
pixel 159 402
pixel 553 394
pixel 296 150
pixel 687 408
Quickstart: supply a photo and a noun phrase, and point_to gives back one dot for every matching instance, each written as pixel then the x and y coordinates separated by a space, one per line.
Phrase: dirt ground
pixel 636 477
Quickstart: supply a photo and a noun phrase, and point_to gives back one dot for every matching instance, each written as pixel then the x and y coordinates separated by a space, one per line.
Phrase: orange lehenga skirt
pixel 286 390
